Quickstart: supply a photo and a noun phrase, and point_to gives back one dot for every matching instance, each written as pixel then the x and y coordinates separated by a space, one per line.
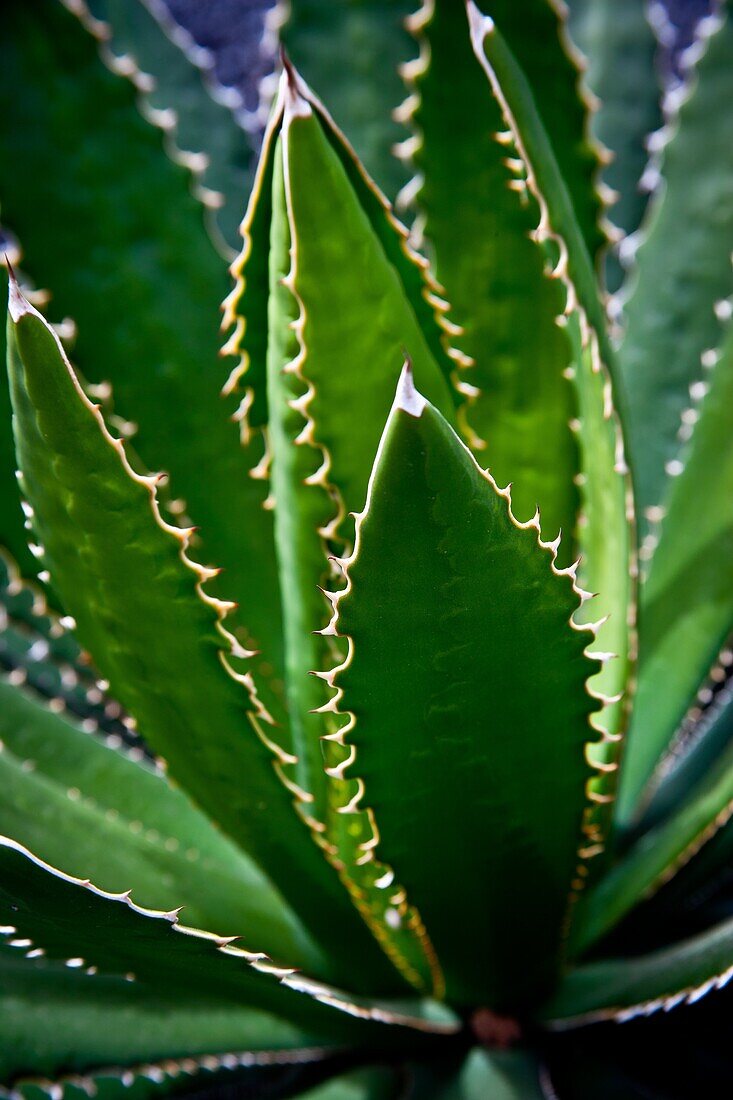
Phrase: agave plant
pixel 337 759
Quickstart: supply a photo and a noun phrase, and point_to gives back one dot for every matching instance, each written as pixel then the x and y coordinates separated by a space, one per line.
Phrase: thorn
pixel 407 397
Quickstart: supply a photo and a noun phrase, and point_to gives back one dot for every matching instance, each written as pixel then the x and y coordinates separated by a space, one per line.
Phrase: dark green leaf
pixel 157 638
pixel 478 226
pixel 122 245
pixel 463 666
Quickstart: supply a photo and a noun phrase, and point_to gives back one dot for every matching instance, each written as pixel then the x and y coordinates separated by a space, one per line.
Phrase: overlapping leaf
pixel 156 637
pixel 478 217
pixel 122 245
pixel 464 667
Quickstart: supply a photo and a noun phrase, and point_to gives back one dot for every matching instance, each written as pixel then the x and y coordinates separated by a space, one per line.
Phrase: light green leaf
pixel 464 665
pixel 605 532
pixel 159 640
pixel 336 329
pixel 478 228
pixel 620 47
pixel 622 989
pixel 500 1074
pixel 670 315
pixel 687 599
pixel 340 50
pixel 122 245
pixel 89 810
pixel 536 35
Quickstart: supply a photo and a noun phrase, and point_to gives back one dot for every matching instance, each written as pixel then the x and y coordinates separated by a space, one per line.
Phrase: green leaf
pixel 51 1021
pixel 328 339
pixel 140 609
pixel 536 36
pixel 670 315
pixel 121 243
pixel 105 935
pixel 463 664
pixel 271 1073
pixel 12 534
pixel 624 988
pixel 620 46
pixel 687 599
pixel 178 91
pixel 340 50
pixel 657 857
pixel 605 532
pixel 89 810
pixel 478 226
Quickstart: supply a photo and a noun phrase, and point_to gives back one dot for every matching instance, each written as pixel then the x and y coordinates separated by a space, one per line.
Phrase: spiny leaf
pixel 605 533
pixel 89 810
pixel 51 1015
pixel 178 92
pixel 687 599
pixel 341 310
pixel 536 34
pixel 122 244
pixel 620 46
pixel 109 936
pixel 339 50
pixel 140 610
pixel 621 989
pixel 478 226
pixel 463 664
pixel 671 320
pixel 657 857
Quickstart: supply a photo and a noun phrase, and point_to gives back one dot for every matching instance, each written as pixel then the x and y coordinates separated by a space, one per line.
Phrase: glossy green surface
pixel 464 669
pixel 140 597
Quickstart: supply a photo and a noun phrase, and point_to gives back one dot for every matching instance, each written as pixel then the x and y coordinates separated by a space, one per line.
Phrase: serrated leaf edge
pixel 165 120
pixel 601 790
pixel 411 401
pixel 158 1071
pixel 432 292
pixel 257 960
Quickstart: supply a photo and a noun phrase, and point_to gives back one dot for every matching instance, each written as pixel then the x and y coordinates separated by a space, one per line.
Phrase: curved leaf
pixel 464 670
pixel 605 531
pixel 51 1015
pixel 624 988
pixel 89 810
pixel 687 599
pixel 657 857
pixel 478 226
pixel 670 314
pixel 122 245
pixel 108 936
pixel 12 533
pixel 139 607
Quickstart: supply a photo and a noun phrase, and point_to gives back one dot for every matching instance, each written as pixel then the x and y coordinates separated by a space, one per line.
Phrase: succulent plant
pixel 336 760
